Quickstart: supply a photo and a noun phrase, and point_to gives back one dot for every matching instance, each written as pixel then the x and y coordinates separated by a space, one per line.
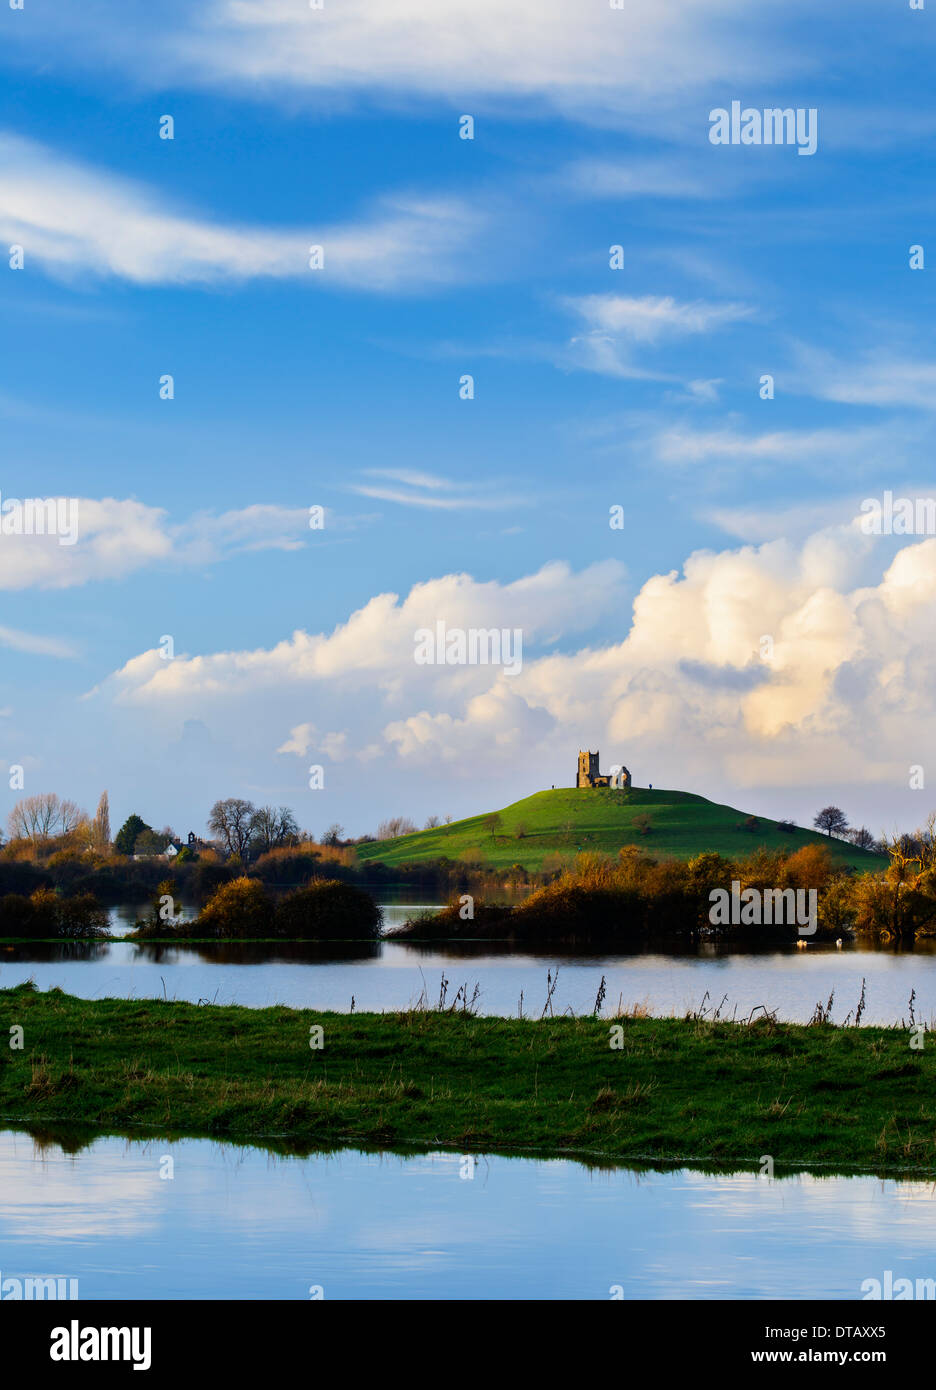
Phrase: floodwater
pixel 196 1219
pixel 389 974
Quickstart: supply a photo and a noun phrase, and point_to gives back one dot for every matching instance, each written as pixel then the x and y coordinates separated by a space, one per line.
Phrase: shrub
pixel 810 867
pixel 209 878
pixel 44 904
pixel 45 914
pixel 81 915
pixel 288 865
pixel 17 876
pixel 239 908
pixel 327 909
pixel 15 915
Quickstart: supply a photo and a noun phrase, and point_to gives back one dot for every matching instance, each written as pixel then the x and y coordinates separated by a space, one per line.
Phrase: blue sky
pixel 594 387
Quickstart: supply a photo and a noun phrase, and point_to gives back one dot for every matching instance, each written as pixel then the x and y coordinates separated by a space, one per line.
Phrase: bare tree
pixel 432 822
pixel 231 821
pixel 43 816
pixel 831 819
pixel 334 835
pixel 71 816
pixel 862 837
pixel 394 827
pixel 272 827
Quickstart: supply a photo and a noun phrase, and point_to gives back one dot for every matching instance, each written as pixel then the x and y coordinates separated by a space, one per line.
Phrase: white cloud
pixel 377 643
pixel 432 493
pixel 578 58
pixel 36 646
pixel 683 445
pixel 304 739
pixel 615 324
pixel 116 537
pixel 73 219
pixel 881 379
pixel 649 318
pixel 685 697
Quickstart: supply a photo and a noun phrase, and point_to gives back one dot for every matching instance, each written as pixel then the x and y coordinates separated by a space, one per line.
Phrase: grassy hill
pixel 567 820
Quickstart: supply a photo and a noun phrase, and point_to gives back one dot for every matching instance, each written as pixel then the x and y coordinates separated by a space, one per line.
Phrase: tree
pixel 271 828
pixel 333 835
pixel 44 816
pixel 492 824
pixel 231 821
pixel 432 822
pixel 101 829
pixel 150 842
pixel 394 827
pixel 126 836
pixel 862 837
pixel 831 819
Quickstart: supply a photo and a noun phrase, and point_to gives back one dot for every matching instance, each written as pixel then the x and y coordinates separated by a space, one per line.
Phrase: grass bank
pixel 548 829
pixel 674 1090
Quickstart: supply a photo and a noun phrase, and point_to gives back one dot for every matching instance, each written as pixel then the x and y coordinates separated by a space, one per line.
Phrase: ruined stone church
pixel 589 776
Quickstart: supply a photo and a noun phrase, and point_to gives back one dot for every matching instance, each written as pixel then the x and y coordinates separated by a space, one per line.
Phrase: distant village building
pixel 588 775
pixel 175 846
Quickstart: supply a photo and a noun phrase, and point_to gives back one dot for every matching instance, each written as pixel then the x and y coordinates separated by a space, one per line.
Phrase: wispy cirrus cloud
pixel 615 326
pixel 648 318
pixel 682 444
pixel 554 53
pixel 75 220
pixel 34 645
pixel 876 378
pixel 414 489
pixel 115 537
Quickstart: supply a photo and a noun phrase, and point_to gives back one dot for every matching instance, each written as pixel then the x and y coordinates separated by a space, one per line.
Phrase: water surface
pixel 391 975
pixel 239 1223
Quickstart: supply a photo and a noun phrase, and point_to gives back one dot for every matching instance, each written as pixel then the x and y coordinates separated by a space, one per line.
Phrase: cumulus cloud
pixel 74 219
pixel 377 644
pixel 778 664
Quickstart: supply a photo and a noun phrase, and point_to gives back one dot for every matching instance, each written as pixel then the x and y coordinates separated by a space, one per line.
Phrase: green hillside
pixel 567 820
